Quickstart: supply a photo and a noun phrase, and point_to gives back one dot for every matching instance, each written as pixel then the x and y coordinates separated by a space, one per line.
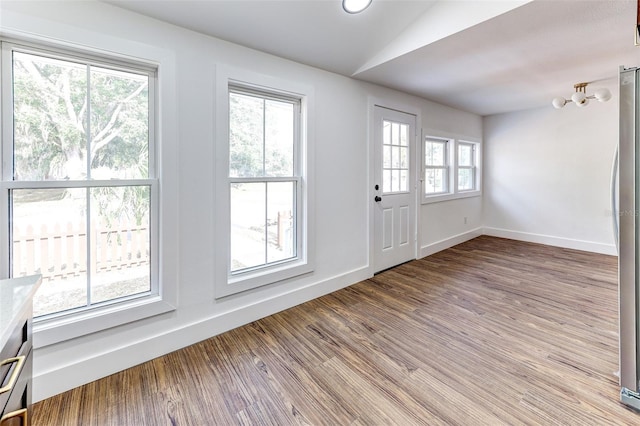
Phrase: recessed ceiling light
pixel 355 6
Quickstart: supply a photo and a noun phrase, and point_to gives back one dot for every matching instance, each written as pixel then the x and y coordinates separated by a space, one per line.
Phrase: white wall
pixel 342 182
pixel 443 224
pixel 547 174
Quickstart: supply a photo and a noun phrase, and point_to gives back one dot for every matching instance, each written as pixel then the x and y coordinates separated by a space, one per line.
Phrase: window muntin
pixel 264 180
pixel 436 173
pixel 395 154
pixel 80 188
pixel 466 166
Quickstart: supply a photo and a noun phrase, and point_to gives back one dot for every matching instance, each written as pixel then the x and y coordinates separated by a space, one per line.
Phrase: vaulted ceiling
pixel 482 56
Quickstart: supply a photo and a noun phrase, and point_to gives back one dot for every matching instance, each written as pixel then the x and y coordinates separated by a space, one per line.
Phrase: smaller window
pixel 466 166
pixel 452 168
pixel 436 173
pixel 264 182
pixel 264 216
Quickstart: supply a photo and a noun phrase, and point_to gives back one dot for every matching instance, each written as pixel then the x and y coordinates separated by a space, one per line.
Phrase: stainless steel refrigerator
pixel 626 194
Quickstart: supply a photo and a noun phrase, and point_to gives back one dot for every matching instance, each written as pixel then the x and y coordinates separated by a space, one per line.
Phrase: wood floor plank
pixel 490 332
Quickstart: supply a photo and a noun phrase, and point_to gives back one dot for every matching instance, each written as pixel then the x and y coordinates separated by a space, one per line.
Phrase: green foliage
pixel 70 118
pixel 260 137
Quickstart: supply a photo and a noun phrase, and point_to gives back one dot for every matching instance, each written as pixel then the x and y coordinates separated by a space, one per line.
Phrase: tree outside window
pixel 81 188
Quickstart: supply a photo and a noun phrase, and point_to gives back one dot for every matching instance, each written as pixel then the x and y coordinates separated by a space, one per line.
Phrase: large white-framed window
pixel 263 218
pixel 79 190
pixel 451 167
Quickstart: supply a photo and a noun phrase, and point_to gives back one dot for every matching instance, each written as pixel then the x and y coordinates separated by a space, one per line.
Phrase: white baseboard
pixel 81 371
pixel 550 240
pixel 432 248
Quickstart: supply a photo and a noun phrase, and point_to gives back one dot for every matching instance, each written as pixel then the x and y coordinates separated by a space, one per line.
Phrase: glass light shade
pixel 559 102
pixel 579 98
pixel 355 6
pixel 602 95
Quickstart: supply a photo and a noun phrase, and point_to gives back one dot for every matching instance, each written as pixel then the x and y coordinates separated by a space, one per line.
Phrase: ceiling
pixel 482 56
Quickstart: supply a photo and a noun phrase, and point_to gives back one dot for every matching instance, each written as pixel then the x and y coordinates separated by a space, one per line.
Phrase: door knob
pixel 378 198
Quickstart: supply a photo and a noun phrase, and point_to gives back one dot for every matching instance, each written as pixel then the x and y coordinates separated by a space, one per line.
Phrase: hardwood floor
pixel 489 332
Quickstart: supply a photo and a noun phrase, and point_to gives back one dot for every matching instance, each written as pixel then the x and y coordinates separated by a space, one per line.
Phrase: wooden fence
pixel 61 251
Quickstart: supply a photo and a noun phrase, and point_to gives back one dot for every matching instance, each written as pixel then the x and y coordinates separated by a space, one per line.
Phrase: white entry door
pixel 393 192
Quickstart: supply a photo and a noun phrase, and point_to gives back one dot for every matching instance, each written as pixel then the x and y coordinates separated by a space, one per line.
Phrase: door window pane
pixel 404 164
pixel 395 157
pixel 395 154
pixel 386 157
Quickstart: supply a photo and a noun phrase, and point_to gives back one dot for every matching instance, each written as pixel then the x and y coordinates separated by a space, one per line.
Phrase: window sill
pixel 429 199
pixel 243 282
pixel 50 331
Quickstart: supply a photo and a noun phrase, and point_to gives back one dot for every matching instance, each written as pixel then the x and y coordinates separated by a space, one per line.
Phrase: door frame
pixel 416 111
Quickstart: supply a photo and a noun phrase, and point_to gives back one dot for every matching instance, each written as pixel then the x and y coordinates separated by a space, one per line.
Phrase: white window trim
pixel 453 193
pixel 226 284
pixel 60 328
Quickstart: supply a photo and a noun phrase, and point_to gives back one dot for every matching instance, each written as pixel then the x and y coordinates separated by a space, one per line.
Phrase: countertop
pixel 15 297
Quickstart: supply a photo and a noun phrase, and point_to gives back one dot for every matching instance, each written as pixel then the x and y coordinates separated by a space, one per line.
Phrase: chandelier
pixel 580 97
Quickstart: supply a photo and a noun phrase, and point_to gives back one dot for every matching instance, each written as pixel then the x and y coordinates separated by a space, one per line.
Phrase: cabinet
pixel 16 354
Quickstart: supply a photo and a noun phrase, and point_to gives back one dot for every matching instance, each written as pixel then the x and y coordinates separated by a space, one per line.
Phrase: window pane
pixel 386 156
pixel 49 237
pixel 248 209
pixel 403 158
pixel 395 134
pixel 465 179
pixel 435 181
pixel 395 180
pixel 120 242
pixel 386 132
pixel 404 128
pixel 435 153
pixel 119 125
pixel 403 180
pixel 279 129
pixel 395 157
pixel 386 181
pixel 246 136
pixel 50 103
pixel 465 155
pixel 280 224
